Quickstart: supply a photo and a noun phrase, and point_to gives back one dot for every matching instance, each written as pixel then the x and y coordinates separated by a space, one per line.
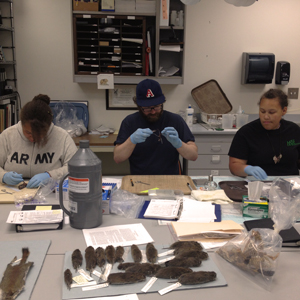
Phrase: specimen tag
pixel 95 287
pixel 169 288
pixel 149 284
pixel 165 259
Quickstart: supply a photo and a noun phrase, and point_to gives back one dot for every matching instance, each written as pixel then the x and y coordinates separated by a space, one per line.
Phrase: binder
pixel 290 237
pixel 40 226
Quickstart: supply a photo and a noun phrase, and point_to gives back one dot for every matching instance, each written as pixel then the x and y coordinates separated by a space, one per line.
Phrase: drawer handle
pixel 215 159
pixel 216 148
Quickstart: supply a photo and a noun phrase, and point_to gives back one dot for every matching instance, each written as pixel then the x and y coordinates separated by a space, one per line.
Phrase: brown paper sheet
pixel 9 198
pixel 167 182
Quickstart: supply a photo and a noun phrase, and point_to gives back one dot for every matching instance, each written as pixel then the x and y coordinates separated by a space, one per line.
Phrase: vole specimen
pixel 172 272
pixel 136 253
pixel 124 266
pixel 68 278
pixel 197 277
pixel 90 259
pixel 151 253
pixel 146 268
pixel 194 253
pixel 186 244
pixel 110 253
pixel 188 262
pixel 119 254
pixel 76 259
pixel 125 278
pixel 100 255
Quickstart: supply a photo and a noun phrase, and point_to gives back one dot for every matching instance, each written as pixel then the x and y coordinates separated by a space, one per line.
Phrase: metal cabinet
pixel 213 156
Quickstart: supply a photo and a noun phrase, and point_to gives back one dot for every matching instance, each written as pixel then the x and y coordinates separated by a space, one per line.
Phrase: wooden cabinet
pixel 213 156
pixel 127 45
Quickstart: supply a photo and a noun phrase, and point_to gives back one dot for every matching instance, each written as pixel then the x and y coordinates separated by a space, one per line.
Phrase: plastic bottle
pixel 239 111
pixel 210 185
pixel 85 188
pixel 180 15
pixel 173 17
pixel 189 114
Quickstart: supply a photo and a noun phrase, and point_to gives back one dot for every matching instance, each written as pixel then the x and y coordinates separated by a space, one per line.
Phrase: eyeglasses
pixel 149 109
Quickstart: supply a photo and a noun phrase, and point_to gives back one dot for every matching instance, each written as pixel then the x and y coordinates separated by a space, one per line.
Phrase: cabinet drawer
pixel 210 162
pixel 206 172
pixel 213 148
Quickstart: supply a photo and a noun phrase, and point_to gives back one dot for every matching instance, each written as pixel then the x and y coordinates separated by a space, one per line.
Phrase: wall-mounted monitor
pixel 257 68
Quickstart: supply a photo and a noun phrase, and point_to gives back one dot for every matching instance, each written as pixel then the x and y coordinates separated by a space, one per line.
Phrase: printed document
pixel 160 208
pixel 119 235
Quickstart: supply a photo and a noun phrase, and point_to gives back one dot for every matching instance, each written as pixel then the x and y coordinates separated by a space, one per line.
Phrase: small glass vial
pixel 210 184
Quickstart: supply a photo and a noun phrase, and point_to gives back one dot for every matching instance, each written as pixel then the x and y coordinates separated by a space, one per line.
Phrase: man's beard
pixel 152 118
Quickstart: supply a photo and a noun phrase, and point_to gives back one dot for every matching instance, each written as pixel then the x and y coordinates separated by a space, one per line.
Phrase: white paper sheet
pixel 35 216
pixel 195 211
pixel 121 235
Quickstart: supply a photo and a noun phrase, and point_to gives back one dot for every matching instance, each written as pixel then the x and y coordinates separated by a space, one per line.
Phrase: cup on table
pixel 241 120
pixel 227 121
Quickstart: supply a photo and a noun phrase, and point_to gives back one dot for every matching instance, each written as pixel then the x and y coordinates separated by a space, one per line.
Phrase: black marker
pixel 131 182
pixel 189 186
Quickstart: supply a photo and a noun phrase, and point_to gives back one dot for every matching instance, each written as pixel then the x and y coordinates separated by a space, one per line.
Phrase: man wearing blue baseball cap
pixel 153 138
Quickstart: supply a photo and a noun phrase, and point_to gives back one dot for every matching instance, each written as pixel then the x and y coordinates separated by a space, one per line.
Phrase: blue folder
pixel 142 212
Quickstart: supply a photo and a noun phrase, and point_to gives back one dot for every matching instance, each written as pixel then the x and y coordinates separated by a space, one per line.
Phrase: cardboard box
pixel 92 5
pixel 65 187
pixel 255 209
pixel 108 189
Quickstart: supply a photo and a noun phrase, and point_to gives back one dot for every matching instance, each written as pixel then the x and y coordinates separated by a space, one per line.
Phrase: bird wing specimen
pixel 13 280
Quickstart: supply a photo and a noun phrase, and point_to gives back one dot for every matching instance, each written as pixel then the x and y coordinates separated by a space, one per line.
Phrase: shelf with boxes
pixel 109 45
pixel 100 45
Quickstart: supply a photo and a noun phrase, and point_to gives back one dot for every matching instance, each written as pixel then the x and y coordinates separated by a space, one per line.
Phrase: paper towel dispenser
pixel 258 68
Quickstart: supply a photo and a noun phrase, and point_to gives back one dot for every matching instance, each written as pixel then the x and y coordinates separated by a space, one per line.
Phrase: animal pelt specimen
pixel 172 272
pixel 119 254
pixel 90 259
pixel 188 262
pixel 146 268
pixel 100 255
pixel 110 253
pixel 125 278
pixel 76 259
pixel 13 280
pixel 136 253
pixel 151 253
pixel 68 278
pixel 197 277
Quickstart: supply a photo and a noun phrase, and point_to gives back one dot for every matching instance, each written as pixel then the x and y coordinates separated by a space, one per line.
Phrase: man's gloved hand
pixel 12 178
pixel 171 135
pixel 36 180
pixel 140 135
pixel 257 172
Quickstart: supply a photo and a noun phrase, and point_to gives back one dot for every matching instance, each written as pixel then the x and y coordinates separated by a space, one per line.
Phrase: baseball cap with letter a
pixel 149 93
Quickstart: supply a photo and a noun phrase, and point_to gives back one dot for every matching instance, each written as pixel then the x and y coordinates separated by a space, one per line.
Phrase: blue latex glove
pixel 257 172
pixel 140 135
pixel 171 135
pixel 12 178
pixel 36 180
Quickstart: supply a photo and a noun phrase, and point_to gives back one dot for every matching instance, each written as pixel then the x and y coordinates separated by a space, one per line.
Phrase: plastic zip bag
pixel 257 252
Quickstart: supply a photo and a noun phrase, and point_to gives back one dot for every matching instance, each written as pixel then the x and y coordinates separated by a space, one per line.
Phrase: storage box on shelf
pixel 86 5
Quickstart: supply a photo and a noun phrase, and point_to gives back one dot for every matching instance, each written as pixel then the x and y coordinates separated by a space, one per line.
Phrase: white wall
pixel 217 34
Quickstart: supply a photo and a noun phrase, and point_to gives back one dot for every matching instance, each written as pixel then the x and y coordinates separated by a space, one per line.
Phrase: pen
pixel 131 182
pixel 189 186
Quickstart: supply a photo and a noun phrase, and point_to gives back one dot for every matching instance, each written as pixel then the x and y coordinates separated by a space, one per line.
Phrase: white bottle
pixel 239 111
pixel 173 17
pixel 180 16
pixel 189 114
